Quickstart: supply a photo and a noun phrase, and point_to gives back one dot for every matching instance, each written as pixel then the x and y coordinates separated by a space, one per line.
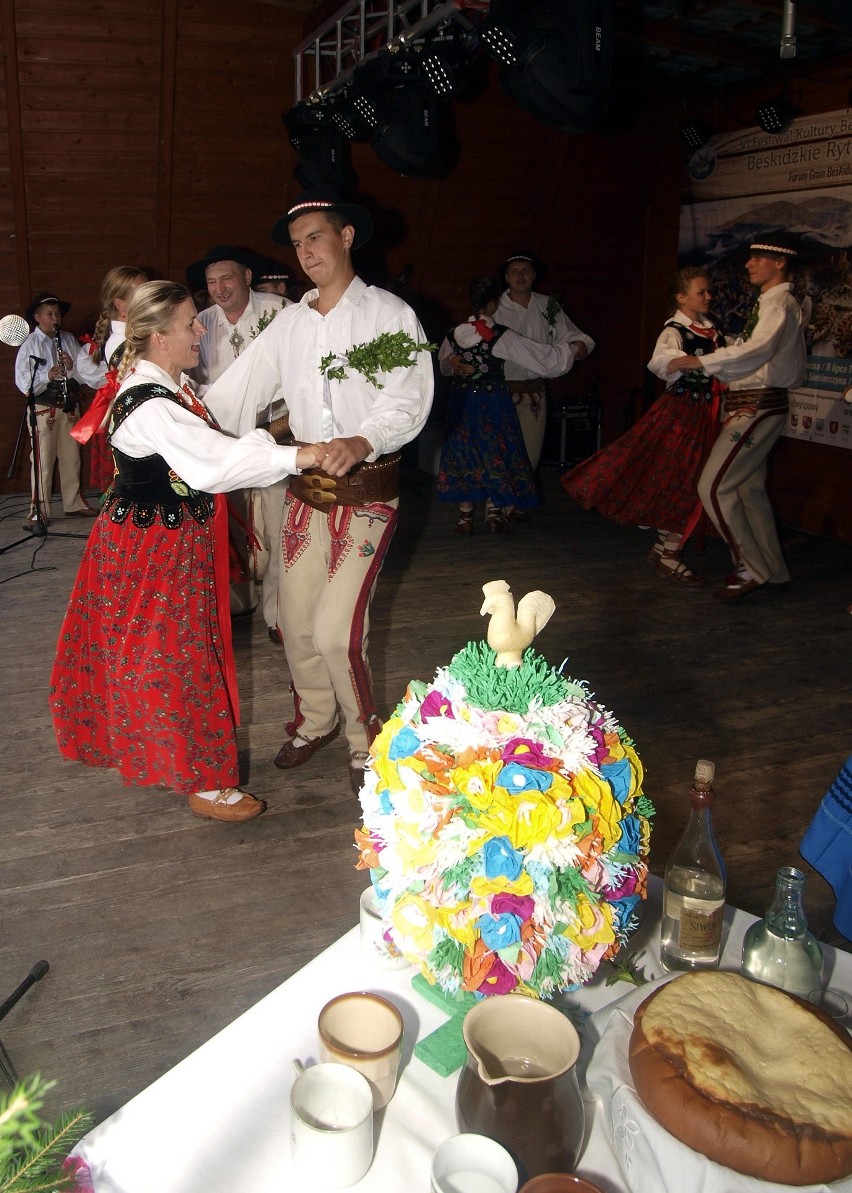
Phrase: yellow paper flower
pixel 414 922
pixel 597 795
pixel 501 885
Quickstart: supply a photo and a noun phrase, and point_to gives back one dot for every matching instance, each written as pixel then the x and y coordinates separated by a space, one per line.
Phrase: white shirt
pixel 202 456
pixel 774 355
pixel 288 354
pixel 543 360
pixel 669 345
pixel 43 346
pixel 94 375
pixel 225 341
pixel 530 321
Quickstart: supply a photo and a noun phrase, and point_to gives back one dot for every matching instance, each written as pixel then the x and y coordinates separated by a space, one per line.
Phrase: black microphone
pixel 36 974
pixel 38 360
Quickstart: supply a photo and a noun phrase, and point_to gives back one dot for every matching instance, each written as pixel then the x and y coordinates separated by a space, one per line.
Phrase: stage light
pixel 774 115
pixel 695 134
pixel 355 114
pixel 415 136
pixel 323 149
pixel 444 60
pixel 556 57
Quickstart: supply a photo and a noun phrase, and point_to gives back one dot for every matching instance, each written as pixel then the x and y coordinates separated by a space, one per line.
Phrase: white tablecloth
pixel 218 1122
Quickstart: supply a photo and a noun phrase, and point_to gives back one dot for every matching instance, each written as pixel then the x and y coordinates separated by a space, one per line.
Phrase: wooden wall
pixel 145 134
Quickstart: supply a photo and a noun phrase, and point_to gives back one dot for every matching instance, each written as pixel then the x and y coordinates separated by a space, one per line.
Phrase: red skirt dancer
pixel 649 477
pixel 144 679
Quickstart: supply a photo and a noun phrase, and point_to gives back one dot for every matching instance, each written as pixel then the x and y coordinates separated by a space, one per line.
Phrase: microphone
pixel 37 360
pixel 35 975
pixel 14 330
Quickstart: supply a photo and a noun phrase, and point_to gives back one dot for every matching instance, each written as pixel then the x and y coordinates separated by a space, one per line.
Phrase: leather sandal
pixel 495 521
pixel 737 586
pixel 299 750
pixel 678 571
pixel 218 809
pixel 465 522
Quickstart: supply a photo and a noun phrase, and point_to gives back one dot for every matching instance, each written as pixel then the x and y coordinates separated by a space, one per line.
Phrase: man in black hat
pixel 541 318
pixel 237 316
pixel 47 360
pixel 764 362
pixel 339 519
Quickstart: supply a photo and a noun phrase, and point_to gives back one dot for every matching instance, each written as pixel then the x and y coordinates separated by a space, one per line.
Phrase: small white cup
pixel 374 947
pixel 331 1126
pixel 365 1031
pixel 473 1164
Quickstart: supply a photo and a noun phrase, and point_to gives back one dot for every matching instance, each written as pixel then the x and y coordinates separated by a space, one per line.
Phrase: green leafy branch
pixel 32 1153
pixel 390 350
pixel 553 308
pixel 627 970
pixel 263 321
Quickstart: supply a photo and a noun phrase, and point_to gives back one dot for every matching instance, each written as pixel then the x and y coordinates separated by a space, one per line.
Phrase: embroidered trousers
pixel 331 561
pixel 531 410
pixel 732 488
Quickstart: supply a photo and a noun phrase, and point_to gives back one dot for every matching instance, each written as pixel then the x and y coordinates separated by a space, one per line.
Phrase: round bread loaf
pixel 747 1075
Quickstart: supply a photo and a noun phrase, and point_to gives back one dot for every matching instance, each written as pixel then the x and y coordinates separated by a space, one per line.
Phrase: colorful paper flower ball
pixel 505 829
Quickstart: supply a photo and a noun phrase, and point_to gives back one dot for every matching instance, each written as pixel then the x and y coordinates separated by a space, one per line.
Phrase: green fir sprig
pixel 553 308
pixel 264 319
pixel 390 350
pixel 32 1153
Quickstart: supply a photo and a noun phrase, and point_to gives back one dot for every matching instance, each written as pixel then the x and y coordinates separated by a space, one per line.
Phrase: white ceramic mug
pixel 331 1126
pixel 365 1031
pixel 473 1164
pixel 374 946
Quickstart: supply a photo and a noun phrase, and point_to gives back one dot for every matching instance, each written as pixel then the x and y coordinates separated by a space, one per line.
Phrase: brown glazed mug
pixel 559 1182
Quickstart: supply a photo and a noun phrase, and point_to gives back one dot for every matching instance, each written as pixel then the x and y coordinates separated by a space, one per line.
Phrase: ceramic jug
pixel 519 1084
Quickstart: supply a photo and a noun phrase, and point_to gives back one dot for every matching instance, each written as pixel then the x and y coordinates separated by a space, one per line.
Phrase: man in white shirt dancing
pixel 338 520
pixel 538 317
pixel 768 359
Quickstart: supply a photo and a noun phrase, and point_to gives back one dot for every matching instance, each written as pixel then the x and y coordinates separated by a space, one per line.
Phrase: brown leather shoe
pixel 88 512
pixel 294 754
pixel 357 759
pixel 736 586
pixel 216 809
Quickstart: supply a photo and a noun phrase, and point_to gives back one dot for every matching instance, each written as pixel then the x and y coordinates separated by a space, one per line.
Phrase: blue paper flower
pixel 405 744
pixel 617 774
pixel 500 858
pixel 631 834
pixel 517 779
pixel 499 930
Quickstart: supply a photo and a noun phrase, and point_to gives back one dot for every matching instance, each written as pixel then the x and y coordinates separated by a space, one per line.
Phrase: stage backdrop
pixel 747 184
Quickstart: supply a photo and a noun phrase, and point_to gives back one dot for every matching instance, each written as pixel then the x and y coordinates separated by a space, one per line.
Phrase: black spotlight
pixel 556 57
pixel 323 149
pixel 774 115
pixel 415 134
pixel 695 134
pixel 444 61
pixel 355 114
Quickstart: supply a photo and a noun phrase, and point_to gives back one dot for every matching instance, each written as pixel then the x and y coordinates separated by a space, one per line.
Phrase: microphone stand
pixel 36 974
pixel 39 528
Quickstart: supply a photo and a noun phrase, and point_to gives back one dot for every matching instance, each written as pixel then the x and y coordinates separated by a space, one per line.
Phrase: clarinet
pixel 69 402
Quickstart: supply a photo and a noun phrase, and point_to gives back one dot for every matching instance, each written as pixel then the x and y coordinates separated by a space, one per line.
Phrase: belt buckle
pixel 321 489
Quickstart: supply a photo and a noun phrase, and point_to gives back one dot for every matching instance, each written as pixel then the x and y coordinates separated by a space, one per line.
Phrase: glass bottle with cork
pixel 694 886
pixel 779 950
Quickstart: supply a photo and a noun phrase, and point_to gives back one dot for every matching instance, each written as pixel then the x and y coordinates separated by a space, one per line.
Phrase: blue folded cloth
pixel 827 845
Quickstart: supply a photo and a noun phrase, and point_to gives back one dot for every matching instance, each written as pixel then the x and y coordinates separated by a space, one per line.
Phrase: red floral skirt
pixel 101 463
pixel 139 682
pixel 649 477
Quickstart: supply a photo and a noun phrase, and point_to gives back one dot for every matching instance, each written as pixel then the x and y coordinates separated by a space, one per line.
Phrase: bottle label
pixel 699 921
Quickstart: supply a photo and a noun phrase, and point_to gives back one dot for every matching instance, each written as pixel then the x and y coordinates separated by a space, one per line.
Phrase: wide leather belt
pixel 364 485
pixel 526 387
pixel 772 397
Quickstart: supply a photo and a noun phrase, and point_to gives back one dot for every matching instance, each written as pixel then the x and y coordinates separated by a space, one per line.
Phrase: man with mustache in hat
pixel 339 519
pixel 759 367
pixel 46 358
pixel 540 318
pixel 237 315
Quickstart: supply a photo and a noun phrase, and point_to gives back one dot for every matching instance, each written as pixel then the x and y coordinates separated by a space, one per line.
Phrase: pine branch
pixel 39 1167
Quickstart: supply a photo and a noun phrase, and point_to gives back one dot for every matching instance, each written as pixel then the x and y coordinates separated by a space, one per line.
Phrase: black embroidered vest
pixel 695 384
pixel 147 488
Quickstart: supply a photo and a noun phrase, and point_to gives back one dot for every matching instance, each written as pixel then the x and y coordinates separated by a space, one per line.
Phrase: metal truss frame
pixel 358 30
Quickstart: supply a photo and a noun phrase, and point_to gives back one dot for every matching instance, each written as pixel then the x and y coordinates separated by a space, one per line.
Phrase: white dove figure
pixel 509 635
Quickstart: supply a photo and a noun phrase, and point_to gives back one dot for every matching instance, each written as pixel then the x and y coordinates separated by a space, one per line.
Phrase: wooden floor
pixel 161 928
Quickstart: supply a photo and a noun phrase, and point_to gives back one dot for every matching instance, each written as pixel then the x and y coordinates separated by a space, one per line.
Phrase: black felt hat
pixel 268 270
pixel 323 198
pixel 40 298
pixel 775 244
pixel 195 274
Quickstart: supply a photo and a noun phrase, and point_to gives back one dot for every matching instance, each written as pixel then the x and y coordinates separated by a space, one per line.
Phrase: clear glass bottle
pixel 694 886
pixel 779 949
